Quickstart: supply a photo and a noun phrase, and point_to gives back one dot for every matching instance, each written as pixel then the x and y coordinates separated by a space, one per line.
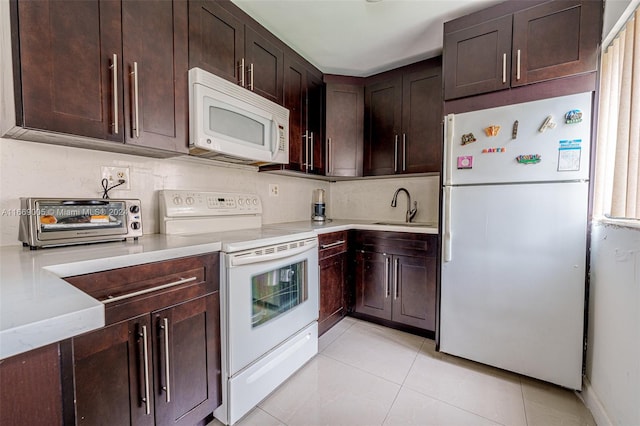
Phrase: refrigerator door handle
pixel 446 225
pixel 449 123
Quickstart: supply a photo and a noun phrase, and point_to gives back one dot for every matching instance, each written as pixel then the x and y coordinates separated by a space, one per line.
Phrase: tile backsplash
pixel 29 169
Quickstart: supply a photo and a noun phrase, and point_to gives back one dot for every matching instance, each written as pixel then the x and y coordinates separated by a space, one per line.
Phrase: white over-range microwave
pixel 230 123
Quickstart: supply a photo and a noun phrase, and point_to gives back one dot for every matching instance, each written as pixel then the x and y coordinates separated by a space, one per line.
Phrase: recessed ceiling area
pixel 360 37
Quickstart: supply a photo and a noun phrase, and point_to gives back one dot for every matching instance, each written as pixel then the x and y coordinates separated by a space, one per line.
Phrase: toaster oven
pixel 46 222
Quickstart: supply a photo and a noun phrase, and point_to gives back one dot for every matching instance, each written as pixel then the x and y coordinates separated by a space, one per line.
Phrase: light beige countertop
pixel 334 225
pixel 38 307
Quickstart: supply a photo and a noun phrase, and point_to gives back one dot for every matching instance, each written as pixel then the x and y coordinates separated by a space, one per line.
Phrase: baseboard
pixel 592 402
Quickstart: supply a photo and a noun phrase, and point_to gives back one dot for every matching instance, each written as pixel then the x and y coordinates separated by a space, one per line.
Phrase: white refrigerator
pixel 514 224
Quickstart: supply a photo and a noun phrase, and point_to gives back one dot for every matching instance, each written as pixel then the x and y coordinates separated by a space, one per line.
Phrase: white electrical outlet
pixel 114 174
pixel 274 190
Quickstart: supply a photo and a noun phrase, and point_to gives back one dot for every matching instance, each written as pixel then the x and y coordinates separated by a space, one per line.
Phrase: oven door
pixel 269 297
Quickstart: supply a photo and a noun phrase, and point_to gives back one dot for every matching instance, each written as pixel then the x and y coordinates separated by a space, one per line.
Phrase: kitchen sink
pixel 416 224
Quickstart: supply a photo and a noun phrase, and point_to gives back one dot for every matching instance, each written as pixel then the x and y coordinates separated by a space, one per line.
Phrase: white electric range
pixel 269 292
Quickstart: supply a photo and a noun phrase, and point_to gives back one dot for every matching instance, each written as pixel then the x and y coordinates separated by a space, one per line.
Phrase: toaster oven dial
pixel 134 209
pixel 135 225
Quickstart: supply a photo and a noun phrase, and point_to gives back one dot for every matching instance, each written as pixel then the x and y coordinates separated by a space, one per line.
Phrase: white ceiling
pixel 360 38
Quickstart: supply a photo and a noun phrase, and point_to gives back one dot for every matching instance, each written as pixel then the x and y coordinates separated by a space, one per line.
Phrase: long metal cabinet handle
pixel 149 290
pixel 135 100
pixel 404 152
pixel 311 149
pixel 114 68
pixel 396 278
pixel 306 149
pixel 395 155
pixel 145 356
pixel 329 162
pixel 518 66
pixel 241 73
pixel 326 246
pixel 387 290
pixel 165 328
pixel 251 77
pixel 504 68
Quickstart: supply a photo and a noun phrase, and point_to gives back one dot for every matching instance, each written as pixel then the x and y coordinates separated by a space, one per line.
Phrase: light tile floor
pixel 367 375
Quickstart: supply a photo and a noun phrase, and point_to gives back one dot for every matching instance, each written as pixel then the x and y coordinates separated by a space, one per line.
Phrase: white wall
pixel 29 169
pixel 613 355
pixel 371 198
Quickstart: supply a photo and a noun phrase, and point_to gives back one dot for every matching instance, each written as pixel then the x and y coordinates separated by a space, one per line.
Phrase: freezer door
pixel 512 291
pixel 563 150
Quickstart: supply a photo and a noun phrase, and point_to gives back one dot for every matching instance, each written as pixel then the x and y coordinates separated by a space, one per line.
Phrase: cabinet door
pixel 422 121
pixel 264 66
pixel 344 127
pixel 332 300
pixel 478 59
pixel 555 39
pixel 155 40
pixel 373 284
pixel 187 361
pixel 414 291
pixel 295 101
pixel 216 40
pixel 31 393
pixel 383 115
pixel 66 52
pixel 315 120
pixel 111 378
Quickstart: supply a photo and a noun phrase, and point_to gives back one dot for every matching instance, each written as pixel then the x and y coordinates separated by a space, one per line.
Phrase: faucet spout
pixel 411 212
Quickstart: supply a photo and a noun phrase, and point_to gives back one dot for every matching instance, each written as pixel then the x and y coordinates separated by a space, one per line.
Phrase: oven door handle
pixel 239 260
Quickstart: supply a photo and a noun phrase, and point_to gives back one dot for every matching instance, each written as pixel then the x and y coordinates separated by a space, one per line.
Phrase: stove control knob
pixel 189 200
pixel 240 201
pixel 134 209
pixel 135 225
pixel 177 200
pixel 255 201
pixel 248 201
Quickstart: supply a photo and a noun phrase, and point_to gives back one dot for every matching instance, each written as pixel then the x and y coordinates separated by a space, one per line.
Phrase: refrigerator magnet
pixel 547 124
pixel 493 150
pixel 514 131
pixel 467 138
pixel 492 130
pixel 572 117
pixel 569 159
pixel 465 162
pixel 529 159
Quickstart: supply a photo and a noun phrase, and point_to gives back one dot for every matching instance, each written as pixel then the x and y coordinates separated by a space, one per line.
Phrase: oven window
pixel 81 215
pixel 276 292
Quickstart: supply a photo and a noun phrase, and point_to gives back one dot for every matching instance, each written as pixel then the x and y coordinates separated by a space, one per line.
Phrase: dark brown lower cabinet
pixel 30 391
pixel 157 362
pixel 333 272
pixel 395 277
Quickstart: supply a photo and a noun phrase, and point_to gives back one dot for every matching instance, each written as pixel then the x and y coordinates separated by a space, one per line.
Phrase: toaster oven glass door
pixel 72 218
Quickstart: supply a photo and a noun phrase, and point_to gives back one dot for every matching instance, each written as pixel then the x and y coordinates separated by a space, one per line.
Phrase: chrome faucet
pixel 410 212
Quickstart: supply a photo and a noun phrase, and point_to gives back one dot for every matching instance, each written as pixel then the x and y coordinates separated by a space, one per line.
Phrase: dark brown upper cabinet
pixel 224 42
pixel 303 97
pixel 403 120
pixel 71 68
pixel 155 61
pixel 344 104
pixel 517 43
pixel 106 70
